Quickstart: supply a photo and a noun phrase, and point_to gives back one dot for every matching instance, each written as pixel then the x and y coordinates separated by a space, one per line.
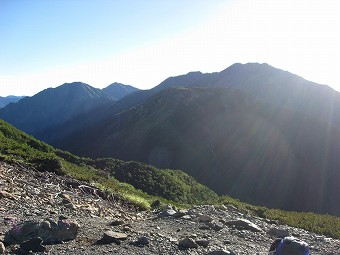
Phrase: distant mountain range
pixel 54 107
pixel 9 99
pixel 252 131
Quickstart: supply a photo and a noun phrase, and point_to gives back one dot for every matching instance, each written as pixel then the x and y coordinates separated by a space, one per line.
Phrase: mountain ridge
pixel 294 117
pixel 9 99
pixel 53 106
pixel 323 108
pixel 316 100
pixel 196 129
pixel 271 84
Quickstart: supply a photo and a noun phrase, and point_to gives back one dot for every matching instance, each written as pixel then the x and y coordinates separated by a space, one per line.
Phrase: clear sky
pixel 45 43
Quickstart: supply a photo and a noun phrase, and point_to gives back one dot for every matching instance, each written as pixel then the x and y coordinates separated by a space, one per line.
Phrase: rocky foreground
pixel 71 217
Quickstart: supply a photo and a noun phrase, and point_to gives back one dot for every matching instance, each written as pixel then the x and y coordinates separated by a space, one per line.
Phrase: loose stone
pixel 187 243
pixel 112 237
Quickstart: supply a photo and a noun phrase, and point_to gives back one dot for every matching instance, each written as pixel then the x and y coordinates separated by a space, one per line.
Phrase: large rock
pixel 278 232
pixel 168 210
pixel 143 240
pixel 48 230
pixel 112 237
pixel 204 218
pixel 215 225
pixel 244 224
pixel 187 243
pixel 180 213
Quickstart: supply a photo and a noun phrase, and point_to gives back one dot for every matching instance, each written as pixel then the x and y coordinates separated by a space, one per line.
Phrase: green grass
pixel 327 225
pixel 172 185
pixel 141 184
pixel 324 224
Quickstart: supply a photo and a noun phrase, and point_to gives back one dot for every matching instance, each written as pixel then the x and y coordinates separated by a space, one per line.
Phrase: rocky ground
pixel 108 225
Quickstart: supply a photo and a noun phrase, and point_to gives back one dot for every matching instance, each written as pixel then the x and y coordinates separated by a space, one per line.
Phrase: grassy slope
pixel 149 182
pixel 154 184
pixel 322 224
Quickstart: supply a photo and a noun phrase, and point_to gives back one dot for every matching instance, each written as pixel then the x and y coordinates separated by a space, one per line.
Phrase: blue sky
pixel 142 42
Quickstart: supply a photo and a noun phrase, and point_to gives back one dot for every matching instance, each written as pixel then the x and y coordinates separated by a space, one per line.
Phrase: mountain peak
pixel 53 106
pixel 119 90
pixel 193 73
pixel 75 83
pixel 250 66
pixel 73 91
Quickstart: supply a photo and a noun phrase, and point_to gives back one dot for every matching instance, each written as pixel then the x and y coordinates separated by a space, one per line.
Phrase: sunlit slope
pixel 121 178
pixel 232 142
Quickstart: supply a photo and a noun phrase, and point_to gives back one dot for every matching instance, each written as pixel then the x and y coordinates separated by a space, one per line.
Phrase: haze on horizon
pixel 141 43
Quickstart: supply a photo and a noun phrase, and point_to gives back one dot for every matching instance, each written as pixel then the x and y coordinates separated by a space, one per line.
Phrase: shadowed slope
pixel 231 142
pixel 175 185
pixel 273 85
pixel 52 107
pixel 267 83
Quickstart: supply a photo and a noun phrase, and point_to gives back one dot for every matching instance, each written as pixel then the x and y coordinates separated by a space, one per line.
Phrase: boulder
pixel 48 230
pixel 187 243
pixel 143 240
pixel 186 217
pixel 181 213
pixel 244 224
pixel 204 218
pixel 217 226
pixel 168 212
pixel 112 237
pixel 278 232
